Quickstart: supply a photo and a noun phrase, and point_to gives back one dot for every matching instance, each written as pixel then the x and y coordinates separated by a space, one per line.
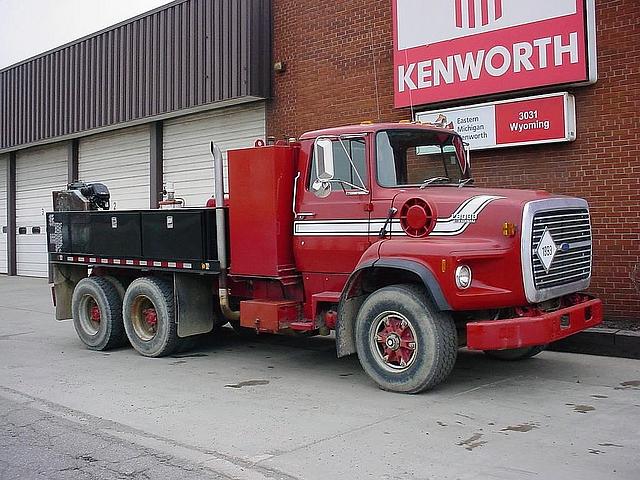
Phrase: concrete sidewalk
pixel 611 342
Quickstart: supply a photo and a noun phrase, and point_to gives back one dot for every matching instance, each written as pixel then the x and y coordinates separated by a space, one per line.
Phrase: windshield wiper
pixel 464 181
pixel 432 180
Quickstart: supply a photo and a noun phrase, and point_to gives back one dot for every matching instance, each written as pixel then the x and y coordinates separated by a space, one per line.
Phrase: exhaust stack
pixel 221 237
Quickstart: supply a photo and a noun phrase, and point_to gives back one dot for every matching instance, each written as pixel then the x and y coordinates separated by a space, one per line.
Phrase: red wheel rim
pixel 150 316
pixel 94 313
pixel 393 341
pixel 144 318
pixel 90 316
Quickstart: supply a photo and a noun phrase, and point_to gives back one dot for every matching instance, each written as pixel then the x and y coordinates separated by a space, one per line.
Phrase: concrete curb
pixel 608 342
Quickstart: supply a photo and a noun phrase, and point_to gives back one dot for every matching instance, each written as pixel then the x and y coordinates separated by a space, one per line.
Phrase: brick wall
pixel 330 50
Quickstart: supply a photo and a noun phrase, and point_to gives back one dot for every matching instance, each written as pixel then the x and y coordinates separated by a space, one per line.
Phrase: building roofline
pixel 232 102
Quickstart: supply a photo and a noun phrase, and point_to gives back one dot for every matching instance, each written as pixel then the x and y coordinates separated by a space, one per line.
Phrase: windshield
pixel 420 158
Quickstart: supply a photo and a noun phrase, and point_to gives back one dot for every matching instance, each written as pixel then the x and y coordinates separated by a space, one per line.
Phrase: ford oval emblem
pixel 564 247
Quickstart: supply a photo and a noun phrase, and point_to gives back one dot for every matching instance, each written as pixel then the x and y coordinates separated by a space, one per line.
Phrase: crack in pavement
pixel 331 437
pixel 9 335
pixel 25 309
pixel 153 445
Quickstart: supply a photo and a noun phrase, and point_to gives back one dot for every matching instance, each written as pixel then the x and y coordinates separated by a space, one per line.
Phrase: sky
pixel 30 27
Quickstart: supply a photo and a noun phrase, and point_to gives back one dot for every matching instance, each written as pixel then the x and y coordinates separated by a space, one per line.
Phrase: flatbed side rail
pixel 206 267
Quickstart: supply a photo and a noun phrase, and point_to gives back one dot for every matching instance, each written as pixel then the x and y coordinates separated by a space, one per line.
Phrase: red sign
pixel 530 121
pixel 454 49
pixel 540 119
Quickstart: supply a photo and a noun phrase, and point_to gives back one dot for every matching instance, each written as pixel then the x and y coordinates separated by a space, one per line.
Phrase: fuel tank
pixel 260 210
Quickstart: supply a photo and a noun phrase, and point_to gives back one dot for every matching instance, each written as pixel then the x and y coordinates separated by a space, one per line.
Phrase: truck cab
pixel 388 213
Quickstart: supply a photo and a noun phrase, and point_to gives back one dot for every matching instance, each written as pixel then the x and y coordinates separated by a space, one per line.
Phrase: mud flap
pixel 194 304
pixel 345 336
pixel 64 279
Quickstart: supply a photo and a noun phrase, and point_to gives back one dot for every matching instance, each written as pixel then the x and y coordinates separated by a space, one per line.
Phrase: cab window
pixel 344 173
pixel 413 156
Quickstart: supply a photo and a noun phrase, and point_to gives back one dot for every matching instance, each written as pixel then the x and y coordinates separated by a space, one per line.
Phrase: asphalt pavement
pixel 287 408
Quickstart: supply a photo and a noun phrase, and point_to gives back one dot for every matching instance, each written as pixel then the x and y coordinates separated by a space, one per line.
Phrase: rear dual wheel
pixel 149 317
pixel 97 313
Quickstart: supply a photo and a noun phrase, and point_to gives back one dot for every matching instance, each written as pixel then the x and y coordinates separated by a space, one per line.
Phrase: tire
pixel 149 317
pixel 401 314
pixel 515 354
pixel 97 314
pixel 119 286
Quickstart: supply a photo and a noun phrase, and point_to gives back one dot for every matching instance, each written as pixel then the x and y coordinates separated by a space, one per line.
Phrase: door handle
pixel 307 214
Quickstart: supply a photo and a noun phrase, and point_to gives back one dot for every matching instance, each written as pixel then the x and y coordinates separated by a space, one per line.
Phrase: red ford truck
pixel 373 231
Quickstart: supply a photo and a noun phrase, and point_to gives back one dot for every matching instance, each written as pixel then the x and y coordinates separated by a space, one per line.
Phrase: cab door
pixel 332 217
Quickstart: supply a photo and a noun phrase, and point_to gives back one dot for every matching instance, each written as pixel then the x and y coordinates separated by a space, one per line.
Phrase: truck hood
pixel 457 209
pixel 448 199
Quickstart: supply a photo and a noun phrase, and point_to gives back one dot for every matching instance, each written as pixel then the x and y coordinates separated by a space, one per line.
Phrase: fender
pixel 422 271
pixel 350 303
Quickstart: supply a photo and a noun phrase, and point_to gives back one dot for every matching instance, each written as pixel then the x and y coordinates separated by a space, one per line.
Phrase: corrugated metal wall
pixel 4 162
pixel 187 159
pixel 120 160
pixel 39 171
pixel 185 55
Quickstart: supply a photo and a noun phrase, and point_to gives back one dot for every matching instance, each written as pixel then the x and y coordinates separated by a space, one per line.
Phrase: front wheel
pixel 404 343
pixel 515 354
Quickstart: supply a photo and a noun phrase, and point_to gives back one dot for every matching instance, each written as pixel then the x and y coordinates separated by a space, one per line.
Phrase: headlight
pixel 463 277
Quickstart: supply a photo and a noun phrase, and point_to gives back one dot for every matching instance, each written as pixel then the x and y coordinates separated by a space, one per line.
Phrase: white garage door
pixel 187 158
pixel 3 213
pixel 39 171
pixel 120 160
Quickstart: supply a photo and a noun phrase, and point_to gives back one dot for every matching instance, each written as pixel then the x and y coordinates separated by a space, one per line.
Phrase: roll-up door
pixel 187 159
pixel 3 213
pixel 39 171
pixel 120 160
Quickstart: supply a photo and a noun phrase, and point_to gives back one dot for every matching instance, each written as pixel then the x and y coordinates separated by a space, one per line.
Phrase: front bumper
pixel 535 330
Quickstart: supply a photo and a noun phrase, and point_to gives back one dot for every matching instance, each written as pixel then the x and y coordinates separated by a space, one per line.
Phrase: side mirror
pixel 323 154
pixel 321 189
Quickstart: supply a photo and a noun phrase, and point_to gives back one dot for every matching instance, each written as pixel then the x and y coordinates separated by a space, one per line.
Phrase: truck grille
pixel 571 233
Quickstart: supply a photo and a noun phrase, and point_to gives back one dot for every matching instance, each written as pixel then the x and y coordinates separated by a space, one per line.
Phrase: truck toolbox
pixel 115 232
pixel 269 315
pixel 146 234
pixel 192 229
pixel 101 233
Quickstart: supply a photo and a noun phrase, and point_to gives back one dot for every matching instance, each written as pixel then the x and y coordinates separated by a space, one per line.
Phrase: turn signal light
pixel 509 229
